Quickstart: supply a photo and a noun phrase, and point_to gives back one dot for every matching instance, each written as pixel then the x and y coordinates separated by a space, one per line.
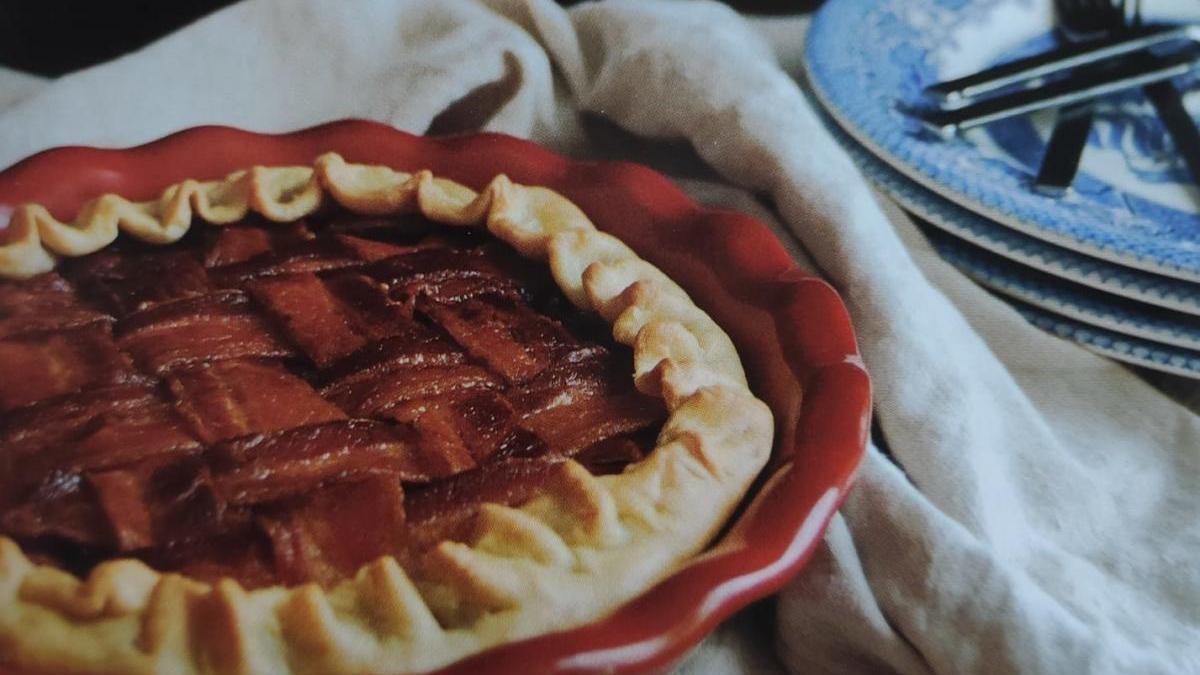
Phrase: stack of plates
pixel 1114 264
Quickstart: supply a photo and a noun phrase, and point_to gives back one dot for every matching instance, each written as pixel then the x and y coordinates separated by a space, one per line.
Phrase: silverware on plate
pixel 1107 52
pixel 961 90
pixel 1078 21
pixel 1078 85
pixel 1081 19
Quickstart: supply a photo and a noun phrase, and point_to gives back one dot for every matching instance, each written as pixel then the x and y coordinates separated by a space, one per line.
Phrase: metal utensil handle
pixel 960 91
pixel 1180 125
pixel 1073 89
pixel 1060 160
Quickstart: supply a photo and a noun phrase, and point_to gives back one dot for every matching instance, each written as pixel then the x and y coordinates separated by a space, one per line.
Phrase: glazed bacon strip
pixel 331 317
pixel 43 304
pixel 125 283
pixel 305 256
pixel 378 394
pixel 236 244
pixel 222 325
pixel 152 503
pixel 285 403
pixel 44 365
pixel 222 400
pixel 97 429
pixel 267 467
pixel 443 510
pixel 326 535
pixel 352 380
pixel 583 400
pixel 309 314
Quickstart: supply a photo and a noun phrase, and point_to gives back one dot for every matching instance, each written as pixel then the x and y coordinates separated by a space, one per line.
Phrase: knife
pixel 1082 85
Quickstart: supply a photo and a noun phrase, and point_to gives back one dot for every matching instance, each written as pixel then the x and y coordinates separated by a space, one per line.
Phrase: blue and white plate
pixel 1181 296
pixel 1065 299
pixel 1136 333
pixel 1139 352
pixel 1133 203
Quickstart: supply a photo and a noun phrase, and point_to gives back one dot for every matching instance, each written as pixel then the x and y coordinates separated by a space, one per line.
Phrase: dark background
pixel 52 37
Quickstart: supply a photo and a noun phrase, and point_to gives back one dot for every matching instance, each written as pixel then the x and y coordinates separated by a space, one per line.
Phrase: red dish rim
pixel 792 330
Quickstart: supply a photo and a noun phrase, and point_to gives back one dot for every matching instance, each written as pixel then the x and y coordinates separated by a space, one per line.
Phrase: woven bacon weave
pixel 284 403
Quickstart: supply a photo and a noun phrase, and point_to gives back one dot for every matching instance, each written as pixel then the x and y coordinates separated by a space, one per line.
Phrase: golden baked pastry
pixel 323 438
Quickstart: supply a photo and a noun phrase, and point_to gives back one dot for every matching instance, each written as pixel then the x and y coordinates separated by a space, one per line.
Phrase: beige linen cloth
pixel 1041 511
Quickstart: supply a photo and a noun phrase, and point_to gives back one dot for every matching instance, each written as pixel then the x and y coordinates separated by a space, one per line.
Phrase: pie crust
pixel 579 550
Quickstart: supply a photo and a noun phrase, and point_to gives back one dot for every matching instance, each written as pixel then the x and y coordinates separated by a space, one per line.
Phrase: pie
pixel 361 421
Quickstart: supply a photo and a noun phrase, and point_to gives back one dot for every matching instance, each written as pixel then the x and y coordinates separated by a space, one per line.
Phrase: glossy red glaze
pixel 791 329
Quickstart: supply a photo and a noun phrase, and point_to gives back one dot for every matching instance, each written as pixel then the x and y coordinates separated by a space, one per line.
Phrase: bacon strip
pixel 120 495
pixel 62 506
pixel 44 303
pixel 226 399
pixel 268 467
pixel 327 535
pixel 40 366
pixel 238 244
pixel 511 339
pixel 126 283
pixel 374 395
pixel 315 255
pixel 208 328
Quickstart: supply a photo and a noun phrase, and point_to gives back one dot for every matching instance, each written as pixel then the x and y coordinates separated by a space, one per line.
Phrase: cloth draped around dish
pixel 1039 511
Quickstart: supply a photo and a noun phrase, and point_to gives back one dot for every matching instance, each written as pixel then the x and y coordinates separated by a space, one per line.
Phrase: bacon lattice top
pixel 283 404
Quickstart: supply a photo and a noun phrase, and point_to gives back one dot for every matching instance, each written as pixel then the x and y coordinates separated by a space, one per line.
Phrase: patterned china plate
pixel 1132 350
pixel 1133 202
pixel 1172 294
pixel 1033 275
pixel 1064 298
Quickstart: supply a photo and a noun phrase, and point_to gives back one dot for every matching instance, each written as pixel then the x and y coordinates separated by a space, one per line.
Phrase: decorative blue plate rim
pixel 1132 350
pixel 1173 294
pixel 1065 298
pixel 865 60
pixel 1052 261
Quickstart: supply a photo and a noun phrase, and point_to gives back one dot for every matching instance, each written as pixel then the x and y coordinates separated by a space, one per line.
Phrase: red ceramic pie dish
pixel 791 329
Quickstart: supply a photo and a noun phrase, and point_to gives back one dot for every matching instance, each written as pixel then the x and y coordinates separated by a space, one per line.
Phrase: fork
pixel 1078 21
pixel 1083 19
